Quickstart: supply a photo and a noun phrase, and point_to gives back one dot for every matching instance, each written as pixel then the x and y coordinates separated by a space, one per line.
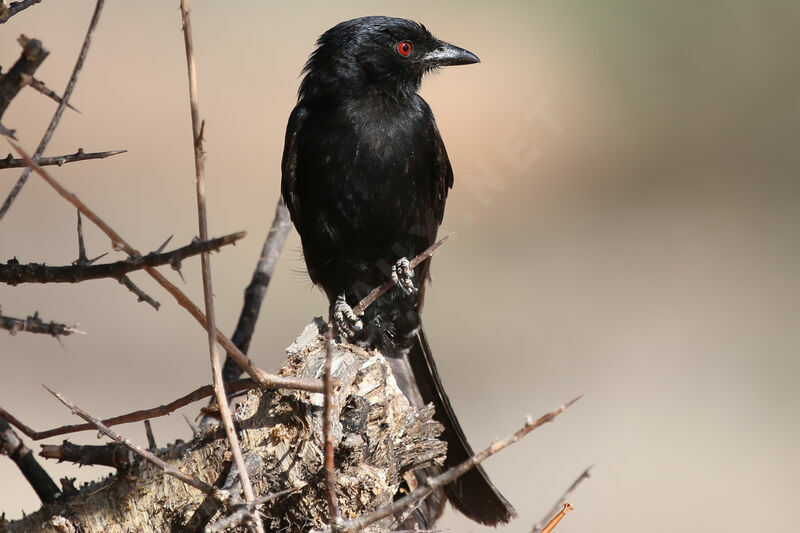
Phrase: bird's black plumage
pixel 365 178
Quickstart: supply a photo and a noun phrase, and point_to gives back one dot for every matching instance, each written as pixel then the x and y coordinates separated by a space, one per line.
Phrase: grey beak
pixel 447 54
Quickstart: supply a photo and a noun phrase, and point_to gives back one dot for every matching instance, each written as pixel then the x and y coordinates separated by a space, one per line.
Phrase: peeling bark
pixel 378 437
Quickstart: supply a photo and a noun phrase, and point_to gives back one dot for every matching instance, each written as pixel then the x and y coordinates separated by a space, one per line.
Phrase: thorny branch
pixel 148 456
pixel 255 292
pixel 7 132
pixel 141 296
pixel 10 162
pixel 41 482
pixel 239 515
pixel 39 85
pixel 33 53
pixel 16 7
pixel 112 454
pixel 208 296
pixel 124 280
pixel 551 525
pixel 263 378
pixel 34 324
pixel 435 482
pixel 136 416
pixel 59 110
pixel 539 528
pixel 15 273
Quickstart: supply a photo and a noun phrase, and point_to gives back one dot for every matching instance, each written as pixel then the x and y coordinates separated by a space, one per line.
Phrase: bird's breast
pixel 368 168
pixel 378 160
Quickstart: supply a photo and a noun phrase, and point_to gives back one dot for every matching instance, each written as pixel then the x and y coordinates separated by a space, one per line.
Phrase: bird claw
pixel 346 321
pixel 403 276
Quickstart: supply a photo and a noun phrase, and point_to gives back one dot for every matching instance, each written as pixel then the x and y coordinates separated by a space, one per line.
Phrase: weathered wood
pixel 378 436
pixel 33 53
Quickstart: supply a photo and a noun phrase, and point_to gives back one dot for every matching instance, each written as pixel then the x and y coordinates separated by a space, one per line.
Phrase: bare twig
pixel 136 416
pixel 151 439
pixel 16 7
pixel 7 132
pixel 39 85
pixel 10 162
pixel 124 280
pixel 435 482
pixel 264 379
pixel 551 525
pixel 254 293
pixel 539 528
pixel 208 296
pixel 15 273
pixel 59 110
pixel 240 515
pixel 377 292
pixel 112 454
pixel 34 324
pixel 33 53
pixel 148 456
pixel 41 482
pixel 141 296
pixel 327 435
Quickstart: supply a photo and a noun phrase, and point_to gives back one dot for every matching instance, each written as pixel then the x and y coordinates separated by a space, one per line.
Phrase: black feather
pixel 365 178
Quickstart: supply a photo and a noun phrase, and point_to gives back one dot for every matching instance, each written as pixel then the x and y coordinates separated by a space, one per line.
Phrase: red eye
pixel 404 48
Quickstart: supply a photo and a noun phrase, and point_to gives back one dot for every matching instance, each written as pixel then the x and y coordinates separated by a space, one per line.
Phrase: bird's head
pixel 382 54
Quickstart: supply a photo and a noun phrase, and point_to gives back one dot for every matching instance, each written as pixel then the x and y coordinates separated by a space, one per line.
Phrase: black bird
pixel 365 178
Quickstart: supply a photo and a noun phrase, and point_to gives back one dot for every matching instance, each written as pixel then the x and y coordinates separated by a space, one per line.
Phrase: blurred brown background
pixel 626 204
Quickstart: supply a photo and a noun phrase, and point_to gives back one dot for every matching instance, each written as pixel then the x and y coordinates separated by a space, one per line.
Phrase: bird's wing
pixel 289 163
pixel 442 173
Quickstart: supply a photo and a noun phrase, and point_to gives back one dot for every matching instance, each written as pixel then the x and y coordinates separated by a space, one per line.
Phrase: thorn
pixel 81 246
pixel 200 138
pixel 74 329
pixel 176 266
pixel 90 261
pixel 161 248
pixel 8 132
pixel 42 88
pixel 569 403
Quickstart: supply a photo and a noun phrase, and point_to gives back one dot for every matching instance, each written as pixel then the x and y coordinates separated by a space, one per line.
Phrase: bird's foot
pixel 403 276
pixel 346 321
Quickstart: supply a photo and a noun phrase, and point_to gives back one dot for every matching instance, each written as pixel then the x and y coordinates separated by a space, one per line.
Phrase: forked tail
pixel 473 494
